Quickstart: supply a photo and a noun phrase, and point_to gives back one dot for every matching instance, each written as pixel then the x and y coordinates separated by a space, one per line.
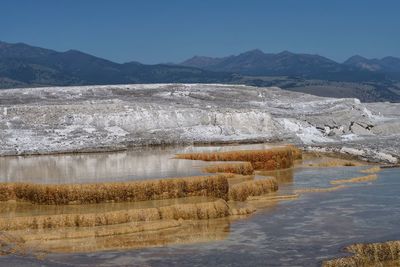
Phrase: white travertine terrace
pixel 93 118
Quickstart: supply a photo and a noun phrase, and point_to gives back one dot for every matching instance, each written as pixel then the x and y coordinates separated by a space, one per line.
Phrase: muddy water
pixel 301 232
pixel 144 163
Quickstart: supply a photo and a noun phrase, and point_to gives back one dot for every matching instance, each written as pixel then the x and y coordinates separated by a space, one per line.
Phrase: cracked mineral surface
pixel 98 118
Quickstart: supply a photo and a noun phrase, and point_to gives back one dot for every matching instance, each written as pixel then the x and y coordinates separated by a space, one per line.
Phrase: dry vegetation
pixel 241 191
pixel 152 225
pixel 239 179
pixel 334 162
pixel 318 190
pixel 269 159
pixel 375 254
pixel 244 168
pixel 241 210
pixel 372 170
pixel 360 179
pixel 206 210
pixel 213 186
pixel 273 198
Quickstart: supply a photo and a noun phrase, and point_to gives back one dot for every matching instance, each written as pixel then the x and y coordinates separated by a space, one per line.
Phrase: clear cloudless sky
pixel 151 31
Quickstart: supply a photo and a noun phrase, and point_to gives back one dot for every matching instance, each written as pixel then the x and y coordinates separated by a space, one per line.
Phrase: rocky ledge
pixel 95 118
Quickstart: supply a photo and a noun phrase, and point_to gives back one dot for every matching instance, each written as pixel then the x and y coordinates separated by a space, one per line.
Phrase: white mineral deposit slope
pixel 93 118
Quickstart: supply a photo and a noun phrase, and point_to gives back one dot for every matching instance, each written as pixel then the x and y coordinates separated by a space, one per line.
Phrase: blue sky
pixel 171 30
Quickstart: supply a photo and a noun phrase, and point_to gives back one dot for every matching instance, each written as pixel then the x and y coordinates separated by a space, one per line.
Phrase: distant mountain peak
pixel 285 52
pixel 133 63
pixel 22 65
pixel 201 61
pixel 22 50
pixel 257 63
pixel 73 51
pixel 390 58
pixel 364 63
pixel 356 58
pixel 254 52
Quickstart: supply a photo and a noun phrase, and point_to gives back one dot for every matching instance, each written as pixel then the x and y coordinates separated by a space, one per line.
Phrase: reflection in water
pixel 302 232
pixel 141 163
pixel 18 209
pixel 284 176
pixel 157 234
pixel 97 167
pixel 112 237
pixel 144 163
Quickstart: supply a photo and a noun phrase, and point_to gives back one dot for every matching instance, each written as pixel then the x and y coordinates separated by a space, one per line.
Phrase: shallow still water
pixel 141 163
pixel 301 232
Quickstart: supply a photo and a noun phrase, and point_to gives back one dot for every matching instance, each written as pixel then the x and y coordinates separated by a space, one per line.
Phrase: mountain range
pixel 258 63
pixel 22 65
pixel 386 64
